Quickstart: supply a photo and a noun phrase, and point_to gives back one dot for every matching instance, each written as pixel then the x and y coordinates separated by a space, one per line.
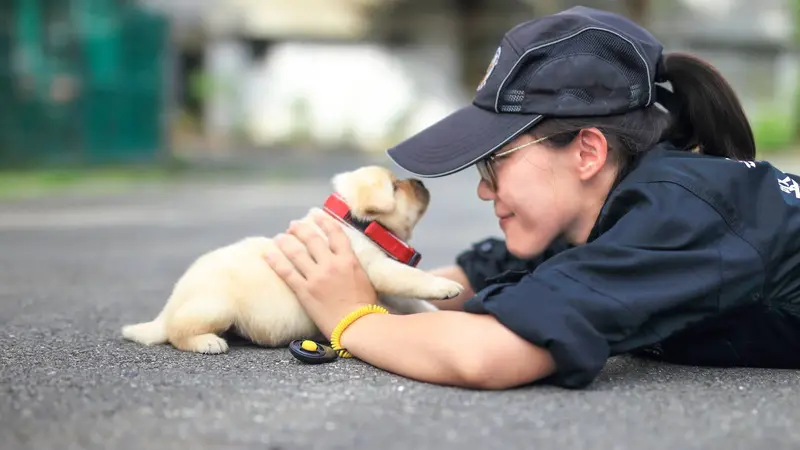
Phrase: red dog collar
pixel 386 240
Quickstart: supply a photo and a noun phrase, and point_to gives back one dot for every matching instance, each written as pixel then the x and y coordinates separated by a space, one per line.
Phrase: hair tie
pixel 667 99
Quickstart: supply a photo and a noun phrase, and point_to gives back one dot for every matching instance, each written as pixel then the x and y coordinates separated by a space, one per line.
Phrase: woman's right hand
pixel 456 274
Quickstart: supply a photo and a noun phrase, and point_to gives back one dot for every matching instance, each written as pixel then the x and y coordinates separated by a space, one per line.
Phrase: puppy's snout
pixel 419 189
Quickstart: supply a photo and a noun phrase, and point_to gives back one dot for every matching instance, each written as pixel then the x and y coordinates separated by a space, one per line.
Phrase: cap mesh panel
pixel 603 44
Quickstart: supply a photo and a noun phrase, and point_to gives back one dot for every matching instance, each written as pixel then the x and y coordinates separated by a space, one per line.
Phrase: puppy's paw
pixel 207 343
pixel 441 289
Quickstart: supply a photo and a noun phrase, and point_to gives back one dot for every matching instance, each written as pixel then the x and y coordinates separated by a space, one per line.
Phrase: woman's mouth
pixel 505 219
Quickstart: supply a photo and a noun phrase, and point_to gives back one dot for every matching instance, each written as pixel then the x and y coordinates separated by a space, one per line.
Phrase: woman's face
pixel 544 192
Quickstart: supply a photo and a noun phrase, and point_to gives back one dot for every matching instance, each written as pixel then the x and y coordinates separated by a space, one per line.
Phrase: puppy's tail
pixel 147 333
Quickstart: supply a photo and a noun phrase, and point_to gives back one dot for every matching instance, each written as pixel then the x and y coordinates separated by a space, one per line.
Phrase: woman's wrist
pixel 328 320
pixel 351 335
pixel 350 319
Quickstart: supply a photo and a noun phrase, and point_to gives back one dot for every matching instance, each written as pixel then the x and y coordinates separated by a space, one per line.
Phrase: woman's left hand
pixel 326 276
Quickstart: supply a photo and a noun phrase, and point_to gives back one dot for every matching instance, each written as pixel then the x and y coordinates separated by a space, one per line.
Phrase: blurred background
pixel 172 83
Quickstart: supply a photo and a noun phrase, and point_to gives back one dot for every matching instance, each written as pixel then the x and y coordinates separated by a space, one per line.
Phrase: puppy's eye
pixel 394 186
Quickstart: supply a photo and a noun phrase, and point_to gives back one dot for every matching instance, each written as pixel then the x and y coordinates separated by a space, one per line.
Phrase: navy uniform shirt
pixel 693 259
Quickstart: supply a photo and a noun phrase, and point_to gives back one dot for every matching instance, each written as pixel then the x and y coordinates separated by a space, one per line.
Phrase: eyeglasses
pixel 486 165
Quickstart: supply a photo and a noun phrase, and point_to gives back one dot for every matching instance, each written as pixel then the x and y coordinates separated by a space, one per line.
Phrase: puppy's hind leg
pixel 196 325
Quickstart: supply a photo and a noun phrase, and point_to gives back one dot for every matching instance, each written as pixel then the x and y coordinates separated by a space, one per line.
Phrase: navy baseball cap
pixel 579 62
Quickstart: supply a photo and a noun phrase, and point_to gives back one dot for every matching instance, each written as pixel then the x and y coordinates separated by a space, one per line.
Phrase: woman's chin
pixel 523 245
pixel 523 250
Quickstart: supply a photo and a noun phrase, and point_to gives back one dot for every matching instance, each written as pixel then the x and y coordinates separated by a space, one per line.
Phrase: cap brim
pixel 458 141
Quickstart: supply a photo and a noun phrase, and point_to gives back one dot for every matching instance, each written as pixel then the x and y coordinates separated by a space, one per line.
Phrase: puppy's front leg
pixel 393 278
pixel 406 305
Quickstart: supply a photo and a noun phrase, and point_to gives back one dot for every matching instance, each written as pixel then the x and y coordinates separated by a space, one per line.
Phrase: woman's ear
pixel 591 152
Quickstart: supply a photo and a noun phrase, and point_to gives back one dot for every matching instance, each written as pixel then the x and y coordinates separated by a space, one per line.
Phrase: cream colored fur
pixel 233 288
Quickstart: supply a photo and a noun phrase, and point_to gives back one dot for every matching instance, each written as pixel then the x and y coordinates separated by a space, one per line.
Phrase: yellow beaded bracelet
pixel 336 335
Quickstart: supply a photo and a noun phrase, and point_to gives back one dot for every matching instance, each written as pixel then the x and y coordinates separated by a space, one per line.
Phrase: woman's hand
pixel 330 283
pixel 326 276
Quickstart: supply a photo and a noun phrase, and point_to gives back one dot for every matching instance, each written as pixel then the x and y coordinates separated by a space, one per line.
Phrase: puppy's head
pixel 374 193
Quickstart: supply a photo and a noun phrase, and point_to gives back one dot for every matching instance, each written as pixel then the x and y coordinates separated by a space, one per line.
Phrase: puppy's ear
pixel 366 194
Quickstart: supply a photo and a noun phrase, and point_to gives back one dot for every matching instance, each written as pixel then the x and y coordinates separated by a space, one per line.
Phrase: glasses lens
pixel 485 172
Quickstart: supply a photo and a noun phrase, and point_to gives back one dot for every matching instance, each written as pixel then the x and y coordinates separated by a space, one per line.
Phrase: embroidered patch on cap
pixel 490 69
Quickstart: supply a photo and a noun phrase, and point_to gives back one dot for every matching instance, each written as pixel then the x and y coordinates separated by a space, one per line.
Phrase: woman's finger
pixel 315 243
pixel 338 241
pixel 295 253
pixel 284 269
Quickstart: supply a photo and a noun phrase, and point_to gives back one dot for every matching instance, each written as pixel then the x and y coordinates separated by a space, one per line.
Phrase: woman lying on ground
pixel 635 221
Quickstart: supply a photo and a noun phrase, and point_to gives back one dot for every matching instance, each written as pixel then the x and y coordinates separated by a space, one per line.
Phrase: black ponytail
pixel 708 115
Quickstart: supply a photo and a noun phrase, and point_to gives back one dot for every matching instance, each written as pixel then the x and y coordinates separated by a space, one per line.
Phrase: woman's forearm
pixel 447 347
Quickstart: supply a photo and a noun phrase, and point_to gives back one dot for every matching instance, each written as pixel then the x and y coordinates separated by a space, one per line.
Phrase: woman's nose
pixel 484 191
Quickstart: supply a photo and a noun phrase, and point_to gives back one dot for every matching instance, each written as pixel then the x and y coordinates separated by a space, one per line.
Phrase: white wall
pixel 355 91
pixel 227 64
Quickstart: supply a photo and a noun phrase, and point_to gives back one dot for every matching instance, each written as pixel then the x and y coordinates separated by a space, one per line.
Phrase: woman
pixel 635 221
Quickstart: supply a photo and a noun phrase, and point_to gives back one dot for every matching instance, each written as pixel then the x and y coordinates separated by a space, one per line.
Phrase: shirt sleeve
pixel 655 268
pixel 488 259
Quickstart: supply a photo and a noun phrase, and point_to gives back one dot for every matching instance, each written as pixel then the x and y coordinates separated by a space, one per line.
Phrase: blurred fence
pixel 81 82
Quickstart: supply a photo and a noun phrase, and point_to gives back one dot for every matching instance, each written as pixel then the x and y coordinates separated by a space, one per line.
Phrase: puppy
pixel 232 288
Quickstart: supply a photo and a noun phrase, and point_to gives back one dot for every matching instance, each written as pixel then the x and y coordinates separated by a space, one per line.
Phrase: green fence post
pixel 100 26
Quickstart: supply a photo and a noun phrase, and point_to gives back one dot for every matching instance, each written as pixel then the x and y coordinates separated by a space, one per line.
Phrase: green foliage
pixel 794 6
pixel 773 130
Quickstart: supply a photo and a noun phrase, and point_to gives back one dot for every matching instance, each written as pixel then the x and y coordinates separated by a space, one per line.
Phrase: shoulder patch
pixel 789 186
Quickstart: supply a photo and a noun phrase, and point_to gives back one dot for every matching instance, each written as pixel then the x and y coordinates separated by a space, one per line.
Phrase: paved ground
pixel 73 270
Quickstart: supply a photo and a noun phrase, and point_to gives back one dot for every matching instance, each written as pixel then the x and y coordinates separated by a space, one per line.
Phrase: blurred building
pixel 322 73
pixel 373 71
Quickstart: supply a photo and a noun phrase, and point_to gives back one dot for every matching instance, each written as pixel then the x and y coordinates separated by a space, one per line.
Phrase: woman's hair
pixel 708 117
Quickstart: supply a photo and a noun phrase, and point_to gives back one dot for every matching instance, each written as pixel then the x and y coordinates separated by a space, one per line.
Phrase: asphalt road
pixel 74 269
